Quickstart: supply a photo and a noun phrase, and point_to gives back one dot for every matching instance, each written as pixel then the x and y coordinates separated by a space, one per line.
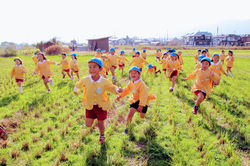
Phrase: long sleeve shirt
pixel 18 71
pixel 44 68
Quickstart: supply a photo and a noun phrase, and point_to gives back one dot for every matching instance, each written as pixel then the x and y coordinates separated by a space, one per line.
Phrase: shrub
pixel 8 52
pixel 56 49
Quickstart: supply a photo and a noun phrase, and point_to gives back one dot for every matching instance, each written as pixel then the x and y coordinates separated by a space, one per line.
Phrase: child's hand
pixel 140 108
pixel 118 98
pixel 57 63
pixel 120 90
pixel 184 79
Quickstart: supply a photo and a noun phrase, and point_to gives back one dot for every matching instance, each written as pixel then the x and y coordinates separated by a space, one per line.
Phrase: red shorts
pixel 199 91
pixel 141 69
pixel 66 70
pixel 164 69
pixel 114 67
pixel 43 77
pixel 75 71
pixel 122 66
pixel 96 112
pixel 19 80
pixel 174 73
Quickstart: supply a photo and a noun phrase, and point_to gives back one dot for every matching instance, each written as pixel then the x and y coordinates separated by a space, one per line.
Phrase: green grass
pixel 52 125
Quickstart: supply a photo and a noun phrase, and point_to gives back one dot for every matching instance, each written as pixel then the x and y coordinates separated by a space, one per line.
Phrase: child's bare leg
pixel 89 122
pixel 71 73
pixel 68 74
pixel 130 116
pixel 122 70
pixel 112 71
pixel 173 81
pixel 77 73
pixel 101 127
pixel 142 115
pixel 199 99
pixel 19 83
pixel 45 81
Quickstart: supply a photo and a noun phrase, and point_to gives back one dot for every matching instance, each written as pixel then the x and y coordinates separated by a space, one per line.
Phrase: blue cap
pixel 216 55
pixel 98 49
pixel 206 59
pixel 103 51
pixel 222 51
pixel 150 66
pixel 144 50
pixel 135 68
pixel 137 52
pixel 122 52
pixel 158 49
pixel 112 49
pixel 199 50
pixel 173 54
pixel 96 60
pixel 172 50
pixel 204 51
pixel 201 56
pixel 133 49
pixel 73 54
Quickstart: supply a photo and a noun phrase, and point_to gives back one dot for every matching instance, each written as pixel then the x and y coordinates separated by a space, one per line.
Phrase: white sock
pixel 51 82
pixel 232 73
pixel 72 78
pixel 113 78
pixel 20 89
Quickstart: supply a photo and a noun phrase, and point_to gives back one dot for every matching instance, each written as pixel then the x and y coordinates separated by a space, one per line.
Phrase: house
pixel 198 39
pixel 102 43
pixel 232 40
pixel 246 40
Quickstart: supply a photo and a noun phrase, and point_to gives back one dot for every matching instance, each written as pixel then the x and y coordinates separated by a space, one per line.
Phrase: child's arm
pixel 112 88
pixel 223 71
pixel 79 84
pixel 125 92
pixel 213 75
pixel 36 69
pixel 53 62
pixel 24 69
pixel 12 73
pixel 190 76
pixel 143 96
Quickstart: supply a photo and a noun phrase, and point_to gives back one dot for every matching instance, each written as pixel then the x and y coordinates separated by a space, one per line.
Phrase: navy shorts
pixel 136 106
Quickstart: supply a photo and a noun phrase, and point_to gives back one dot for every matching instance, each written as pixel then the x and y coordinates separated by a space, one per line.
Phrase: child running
pixel 34 57
pixel 98 53
pixel 207 53
pixel 197 55
pixel 158 55
pixel 133 52
pixel 95 98
pixel 74 66
pixel 203 84
pixel 144 54
pixel 113 59
pixel 138 61
pixel 43 67
pixel 222 56
pixel 216 66
pixel 18 72
pixel 152 69
pixel 106 66
pixel 180 59
pixel 164 62
pixel 65 65
pixel 230 62
pixel 173 67
pixel 122 59
pixel 140 98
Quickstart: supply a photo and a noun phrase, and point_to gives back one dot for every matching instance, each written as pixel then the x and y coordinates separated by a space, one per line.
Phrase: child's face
pixel 63 56
pixel 94 69
pixel 112 52
pixel 72 56
pixel 229 53
pixel 179 53
pixel 223 52
pixel 134 75
pixel 40 57
pixel 204 65
pixel 165 56
pixel 215 58
pixel 122 54
pixel 199 52
pixel 17 62
pixel 173 58
pixel 137 55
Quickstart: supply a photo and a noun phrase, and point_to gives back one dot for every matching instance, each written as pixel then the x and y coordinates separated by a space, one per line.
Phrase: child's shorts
pixel 136 106
pixel 164 69
pixel 66 70
pixel 114 67
pixel 200 91
pixel 19 80
pixel 43 77
pixel 122 65
pixel 75 71
pixel 96 113
pixel 174 73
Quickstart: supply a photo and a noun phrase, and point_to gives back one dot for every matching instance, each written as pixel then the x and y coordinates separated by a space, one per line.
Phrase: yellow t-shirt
pixel 18 72
pixel 65 64
pixel 217 68
pixel 74 65
pixel 44 68
pixel 164 63
pixel 138 62
pixel 95 92
pixel 230 61
pixel 35 60
pixel 113 59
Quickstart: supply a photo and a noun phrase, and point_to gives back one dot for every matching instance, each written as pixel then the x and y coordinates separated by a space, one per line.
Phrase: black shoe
pixel 125 131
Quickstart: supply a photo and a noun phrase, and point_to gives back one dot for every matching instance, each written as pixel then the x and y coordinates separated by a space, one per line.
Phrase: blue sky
pixel 35 20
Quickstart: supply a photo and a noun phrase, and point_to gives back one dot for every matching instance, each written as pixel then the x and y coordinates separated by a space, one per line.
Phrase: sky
pixel 31 21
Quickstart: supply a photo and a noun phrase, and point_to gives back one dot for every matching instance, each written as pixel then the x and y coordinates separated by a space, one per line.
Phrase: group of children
pixel 95 86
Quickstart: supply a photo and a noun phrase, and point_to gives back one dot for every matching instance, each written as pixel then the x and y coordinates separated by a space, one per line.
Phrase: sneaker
pixel 72 78
pixel 101 139
pixel 64 75
pixel 113 78
pixel 51 82
pixel 125 131
pixel 171 89
pixel 48 90
pixel 195 109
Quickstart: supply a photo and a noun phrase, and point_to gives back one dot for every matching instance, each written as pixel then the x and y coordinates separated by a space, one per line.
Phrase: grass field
pixel 49 129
